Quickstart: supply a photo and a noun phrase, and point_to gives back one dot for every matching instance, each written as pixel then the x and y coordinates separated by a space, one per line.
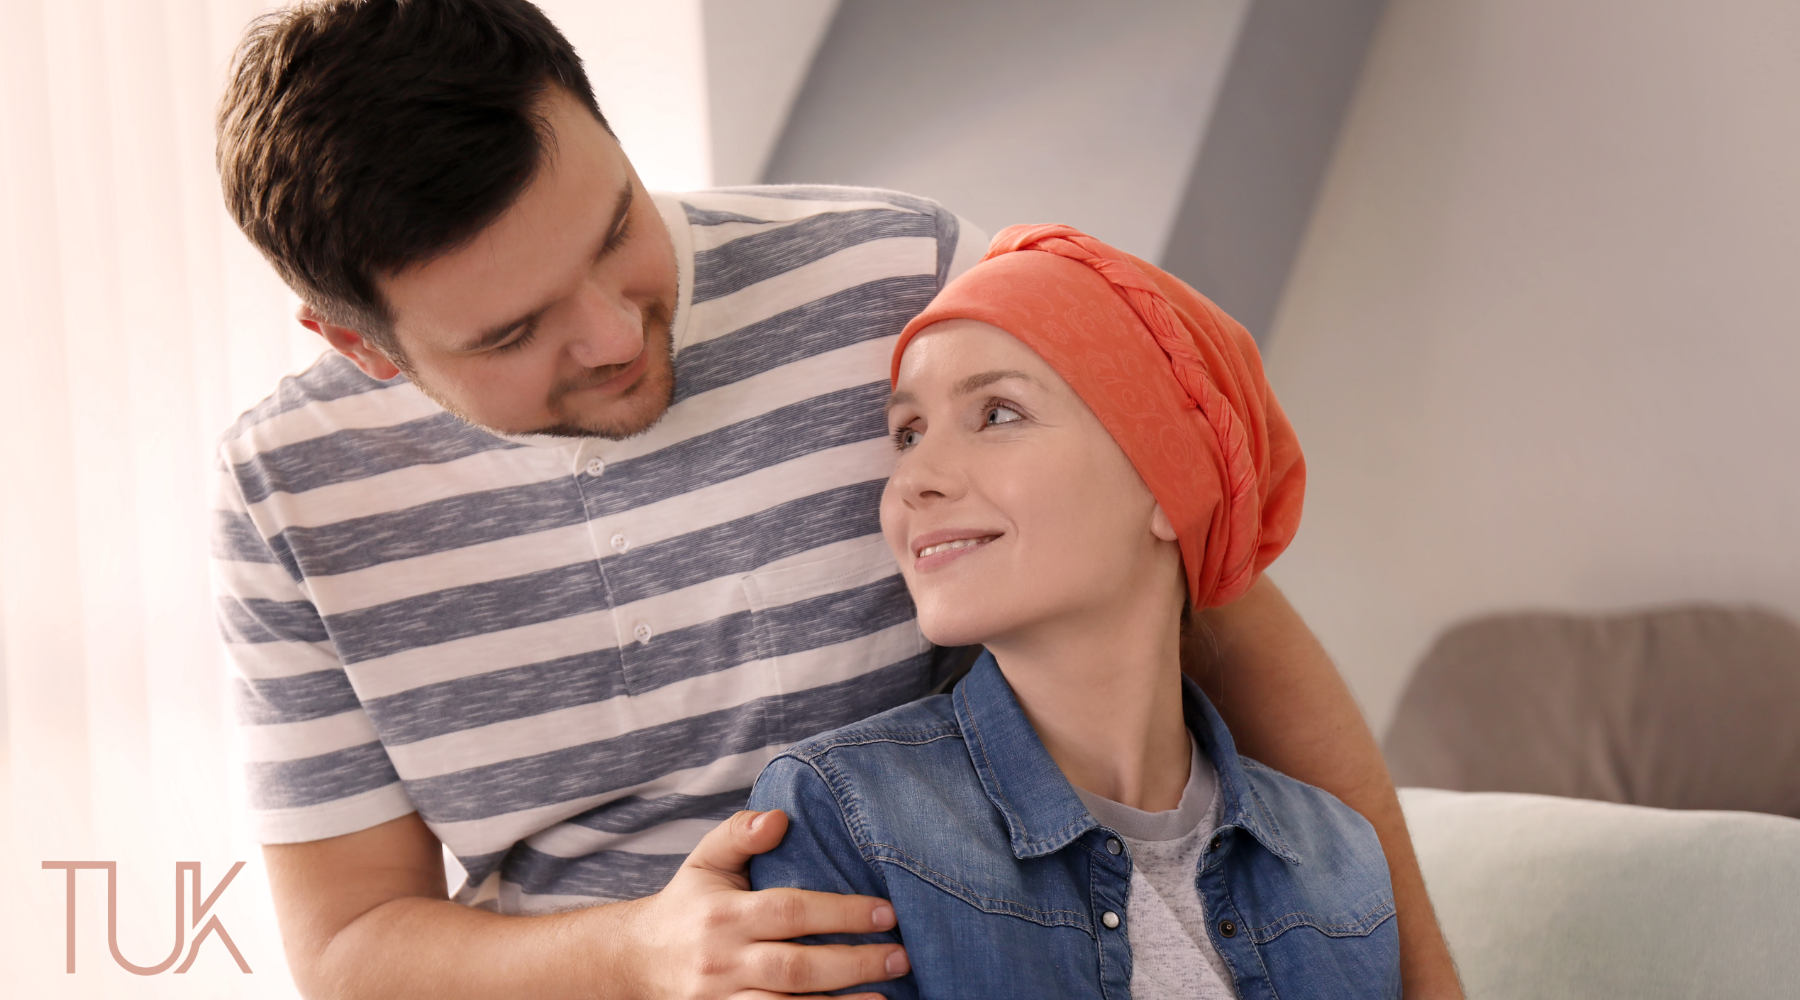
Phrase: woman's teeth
pixel 960 543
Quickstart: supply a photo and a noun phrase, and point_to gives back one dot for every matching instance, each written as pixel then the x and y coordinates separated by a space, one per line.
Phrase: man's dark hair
pixel 359 137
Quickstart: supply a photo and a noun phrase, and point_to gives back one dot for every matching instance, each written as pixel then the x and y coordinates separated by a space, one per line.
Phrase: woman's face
pixel 1010 505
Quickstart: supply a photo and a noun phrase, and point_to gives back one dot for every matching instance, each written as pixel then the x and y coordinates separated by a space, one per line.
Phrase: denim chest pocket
pixel 1348 915
pixel 1326 933
pixel 829 618
pixel 1341 889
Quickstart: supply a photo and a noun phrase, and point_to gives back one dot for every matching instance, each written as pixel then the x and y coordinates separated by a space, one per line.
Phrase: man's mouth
pixel 612 378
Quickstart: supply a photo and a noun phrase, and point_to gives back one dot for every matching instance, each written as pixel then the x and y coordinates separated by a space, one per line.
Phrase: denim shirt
pixel 1005 886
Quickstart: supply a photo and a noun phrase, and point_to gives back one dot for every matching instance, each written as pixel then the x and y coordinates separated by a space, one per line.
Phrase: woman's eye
pixel 905 437
pixel 1002 415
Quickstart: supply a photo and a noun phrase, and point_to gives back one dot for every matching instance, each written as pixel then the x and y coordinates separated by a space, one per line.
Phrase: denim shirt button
pixel 1226 928
pixel 1113 846
pixel 1111 920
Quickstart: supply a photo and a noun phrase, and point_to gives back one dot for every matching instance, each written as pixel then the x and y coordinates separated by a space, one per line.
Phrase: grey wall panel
pixel 1266 151
pixel 1015 111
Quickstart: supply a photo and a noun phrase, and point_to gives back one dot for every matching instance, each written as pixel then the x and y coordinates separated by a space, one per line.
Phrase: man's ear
pixel 350 344
pixel 1161 526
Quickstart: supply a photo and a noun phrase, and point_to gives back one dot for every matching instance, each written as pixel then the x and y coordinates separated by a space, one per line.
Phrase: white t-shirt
pixel 1172 958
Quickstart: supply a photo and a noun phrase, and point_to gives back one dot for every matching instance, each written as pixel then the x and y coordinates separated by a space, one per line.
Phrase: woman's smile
pixel 940 548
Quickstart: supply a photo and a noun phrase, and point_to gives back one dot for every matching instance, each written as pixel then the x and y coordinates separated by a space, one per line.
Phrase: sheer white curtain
pixel 138 323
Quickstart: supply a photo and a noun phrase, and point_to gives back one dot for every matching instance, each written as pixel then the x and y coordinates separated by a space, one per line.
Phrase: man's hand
pixel 365 915
pixel 707 935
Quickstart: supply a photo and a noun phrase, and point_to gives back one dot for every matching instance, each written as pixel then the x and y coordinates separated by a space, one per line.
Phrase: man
pixel 577 529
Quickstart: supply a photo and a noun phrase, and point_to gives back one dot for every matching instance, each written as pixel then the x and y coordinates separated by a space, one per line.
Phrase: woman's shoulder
pixel 898 760
pixel 1315 824
pixel 915 723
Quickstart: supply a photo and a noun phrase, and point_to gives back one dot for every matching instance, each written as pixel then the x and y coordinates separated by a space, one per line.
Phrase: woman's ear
pixel 1160 525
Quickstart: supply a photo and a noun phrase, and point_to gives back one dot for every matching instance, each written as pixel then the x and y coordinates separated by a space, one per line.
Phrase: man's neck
pixel 1105 698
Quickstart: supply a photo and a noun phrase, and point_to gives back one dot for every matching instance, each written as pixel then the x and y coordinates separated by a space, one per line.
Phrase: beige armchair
pixel 1683 708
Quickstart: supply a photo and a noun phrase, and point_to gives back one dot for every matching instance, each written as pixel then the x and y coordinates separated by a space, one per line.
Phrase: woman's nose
pixel 928 474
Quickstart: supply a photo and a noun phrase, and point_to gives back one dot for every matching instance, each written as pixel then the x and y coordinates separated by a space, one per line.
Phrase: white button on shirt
pixel 620 543
pixel 595 466
pixel 642 631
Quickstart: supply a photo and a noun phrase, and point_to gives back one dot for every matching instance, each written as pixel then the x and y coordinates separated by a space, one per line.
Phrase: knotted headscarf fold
pixel 1177 383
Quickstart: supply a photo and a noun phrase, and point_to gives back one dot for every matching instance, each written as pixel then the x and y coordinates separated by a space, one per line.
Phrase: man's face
pixel 556 318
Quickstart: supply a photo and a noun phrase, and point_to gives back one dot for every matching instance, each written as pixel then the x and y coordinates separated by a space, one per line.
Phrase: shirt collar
pixel 1042 813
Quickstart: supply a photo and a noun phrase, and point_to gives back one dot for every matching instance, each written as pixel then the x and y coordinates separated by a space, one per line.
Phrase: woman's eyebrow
pixel 981 380
pixel 973 383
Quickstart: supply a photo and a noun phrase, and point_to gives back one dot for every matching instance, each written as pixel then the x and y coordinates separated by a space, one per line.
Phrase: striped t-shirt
pixel 573 656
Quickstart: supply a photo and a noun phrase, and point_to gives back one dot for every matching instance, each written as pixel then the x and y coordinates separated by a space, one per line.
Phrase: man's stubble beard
pixel 654 391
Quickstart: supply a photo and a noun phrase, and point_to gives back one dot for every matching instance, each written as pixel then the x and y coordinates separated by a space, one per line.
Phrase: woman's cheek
pixel 893 526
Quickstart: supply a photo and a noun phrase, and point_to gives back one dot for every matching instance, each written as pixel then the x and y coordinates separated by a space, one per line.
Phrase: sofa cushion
pixel 1542 896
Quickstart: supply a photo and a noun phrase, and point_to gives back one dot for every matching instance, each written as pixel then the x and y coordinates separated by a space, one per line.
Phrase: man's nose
pixel 605 329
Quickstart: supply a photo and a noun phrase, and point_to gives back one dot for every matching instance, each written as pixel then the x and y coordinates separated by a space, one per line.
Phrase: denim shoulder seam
pixel 848 806
pixel 813 749
pixel 890 854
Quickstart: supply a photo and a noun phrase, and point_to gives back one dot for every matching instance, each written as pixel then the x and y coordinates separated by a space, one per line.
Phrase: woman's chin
pixel 959 624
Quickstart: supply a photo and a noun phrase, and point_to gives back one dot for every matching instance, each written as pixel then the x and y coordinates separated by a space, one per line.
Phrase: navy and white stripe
pixel 425 616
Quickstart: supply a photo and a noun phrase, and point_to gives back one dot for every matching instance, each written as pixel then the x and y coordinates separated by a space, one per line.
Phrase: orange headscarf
pixel 1177 383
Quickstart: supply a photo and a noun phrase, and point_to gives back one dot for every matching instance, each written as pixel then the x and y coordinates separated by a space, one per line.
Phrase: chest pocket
pixel 837 631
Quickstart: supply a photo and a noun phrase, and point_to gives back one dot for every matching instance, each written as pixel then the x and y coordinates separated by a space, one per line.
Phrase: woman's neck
pixel 1104 695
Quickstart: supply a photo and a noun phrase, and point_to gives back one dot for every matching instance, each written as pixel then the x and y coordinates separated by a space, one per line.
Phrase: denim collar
pixel 1042 813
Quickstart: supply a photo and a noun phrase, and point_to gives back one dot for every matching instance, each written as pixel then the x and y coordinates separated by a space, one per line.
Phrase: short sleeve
pixel 819 854
pixel 314 766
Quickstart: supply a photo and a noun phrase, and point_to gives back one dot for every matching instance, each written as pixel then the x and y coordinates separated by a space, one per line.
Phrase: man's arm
pixel 1286 706
pixel 366 915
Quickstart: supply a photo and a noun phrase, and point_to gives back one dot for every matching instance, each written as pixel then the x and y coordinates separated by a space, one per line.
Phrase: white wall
pixel 1541 343
pixel 647 63
pixel 757 55
pixel 1017 111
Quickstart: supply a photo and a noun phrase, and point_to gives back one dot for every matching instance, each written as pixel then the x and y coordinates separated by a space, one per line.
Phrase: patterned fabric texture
pixel 572 656
pixel 1177 382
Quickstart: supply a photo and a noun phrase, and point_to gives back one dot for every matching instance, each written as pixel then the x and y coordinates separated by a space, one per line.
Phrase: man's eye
pixel 517 342
pixel 1002 415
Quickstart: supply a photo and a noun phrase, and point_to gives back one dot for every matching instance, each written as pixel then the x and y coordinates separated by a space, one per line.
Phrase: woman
pixel 1087 451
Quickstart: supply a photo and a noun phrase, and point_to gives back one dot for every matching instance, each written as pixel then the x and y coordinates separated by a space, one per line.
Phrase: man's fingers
pixel 727 848
pixel 766 995
pixel 817 968
pixel 779 914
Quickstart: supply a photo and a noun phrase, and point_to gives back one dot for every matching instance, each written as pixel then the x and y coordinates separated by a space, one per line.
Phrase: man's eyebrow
pixel 497 333
pixel 621 208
